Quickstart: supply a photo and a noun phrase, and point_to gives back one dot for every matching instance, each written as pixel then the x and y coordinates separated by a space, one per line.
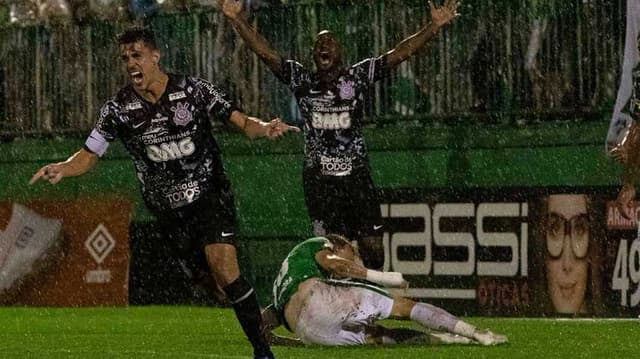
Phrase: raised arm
pixel 440 16
pixel 79 163
pixel 232 9
pixel 628 154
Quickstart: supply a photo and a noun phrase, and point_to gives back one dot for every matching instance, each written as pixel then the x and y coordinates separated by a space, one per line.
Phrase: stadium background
pixel 465 114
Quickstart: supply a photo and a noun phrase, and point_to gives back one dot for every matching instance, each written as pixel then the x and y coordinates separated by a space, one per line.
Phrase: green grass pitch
pixel 195 332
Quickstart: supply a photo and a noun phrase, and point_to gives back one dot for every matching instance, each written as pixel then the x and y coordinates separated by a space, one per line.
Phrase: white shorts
pixel 336 312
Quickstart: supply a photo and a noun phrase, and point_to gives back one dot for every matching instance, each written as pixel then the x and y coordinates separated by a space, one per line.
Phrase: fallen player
pixel 317 296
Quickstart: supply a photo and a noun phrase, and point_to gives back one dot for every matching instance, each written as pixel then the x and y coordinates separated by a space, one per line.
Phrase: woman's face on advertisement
pixel 567 243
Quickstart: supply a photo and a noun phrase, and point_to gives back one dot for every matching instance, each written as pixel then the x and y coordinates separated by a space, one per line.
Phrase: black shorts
pixel 346 205
pixel 211 219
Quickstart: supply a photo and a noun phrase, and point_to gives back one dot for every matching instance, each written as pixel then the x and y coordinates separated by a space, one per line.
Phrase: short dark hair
pixel 137 33
pixel 338 241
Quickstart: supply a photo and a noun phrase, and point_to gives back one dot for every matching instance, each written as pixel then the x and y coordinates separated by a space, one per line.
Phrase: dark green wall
pixel 267 175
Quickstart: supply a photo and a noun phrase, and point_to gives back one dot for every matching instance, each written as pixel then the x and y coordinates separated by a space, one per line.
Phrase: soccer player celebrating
pixel 163 120
pixel 339 192
pixel 623 138
pixel 315 297
pixel 628 154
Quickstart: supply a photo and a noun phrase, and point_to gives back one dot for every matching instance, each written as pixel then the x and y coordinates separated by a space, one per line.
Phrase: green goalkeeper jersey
pixel 299 266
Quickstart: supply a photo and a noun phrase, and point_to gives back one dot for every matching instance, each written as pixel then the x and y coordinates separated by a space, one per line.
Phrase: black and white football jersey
pixel 333 116
pixel 176 158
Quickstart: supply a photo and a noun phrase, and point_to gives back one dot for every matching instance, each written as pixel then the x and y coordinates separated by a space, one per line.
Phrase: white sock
pixel 433 317
pixel 464 329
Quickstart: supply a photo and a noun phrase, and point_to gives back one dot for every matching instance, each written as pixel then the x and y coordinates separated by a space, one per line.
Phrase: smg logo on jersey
pixel 171 150
pixel 330 121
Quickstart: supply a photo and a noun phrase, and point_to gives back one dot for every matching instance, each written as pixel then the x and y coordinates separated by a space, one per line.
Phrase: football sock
pixel 464 329
pixel 245 304
pixel 433 317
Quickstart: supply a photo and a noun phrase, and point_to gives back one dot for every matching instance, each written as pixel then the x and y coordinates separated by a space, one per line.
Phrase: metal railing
pixel 504 57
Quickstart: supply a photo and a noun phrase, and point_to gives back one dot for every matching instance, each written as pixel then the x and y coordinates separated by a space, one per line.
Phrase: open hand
pixel 442 15
pixel 626 152
pixel 276 128
pixel 231 8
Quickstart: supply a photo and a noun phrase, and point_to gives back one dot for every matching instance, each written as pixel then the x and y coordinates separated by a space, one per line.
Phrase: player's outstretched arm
pixel 232 9
pixel 76 165
pixel 628 154
pixel 440 16
pixel 253 127
pixel 344 268
pixel 626 195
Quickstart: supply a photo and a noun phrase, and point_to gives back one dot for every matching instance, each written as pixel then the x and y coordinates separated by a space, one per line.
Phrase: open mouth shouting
pixel 136 78
pixel 324 58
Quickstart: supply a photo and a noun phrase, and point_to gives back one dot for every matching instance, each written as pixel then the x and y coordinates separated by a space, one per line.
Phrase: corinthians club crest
pixel 346 90
pixel 181 114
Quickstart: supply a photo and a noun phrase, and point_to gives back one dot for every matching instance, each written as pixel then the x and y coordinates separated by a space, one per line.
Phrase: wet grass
pixel 192 332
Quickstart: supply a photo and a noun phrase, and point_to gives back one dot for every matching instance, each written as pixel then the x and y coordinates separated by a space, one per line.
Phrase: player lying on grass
pixel 315 297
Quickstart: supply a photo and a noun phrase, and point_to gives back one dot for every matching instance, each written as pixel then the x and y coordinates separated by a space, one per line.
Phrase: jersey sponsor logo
pixel 177 95
pixel 347 90
pixel 154 131
pixel 181 114
pixel 183 193
pixel 330 121
pixel 138 125
pixel 280 284
pixel 320 105
pixel 172 150
pixel 335 166
pixel 134 106
pixel 159 118
pixel 212 89
pixel 157 138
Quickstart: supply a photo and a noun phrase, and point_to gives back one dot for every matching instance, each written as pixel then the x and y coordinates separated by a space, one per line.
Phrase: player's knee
pixel 224 274
pixel 402 307
pixel 223 263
